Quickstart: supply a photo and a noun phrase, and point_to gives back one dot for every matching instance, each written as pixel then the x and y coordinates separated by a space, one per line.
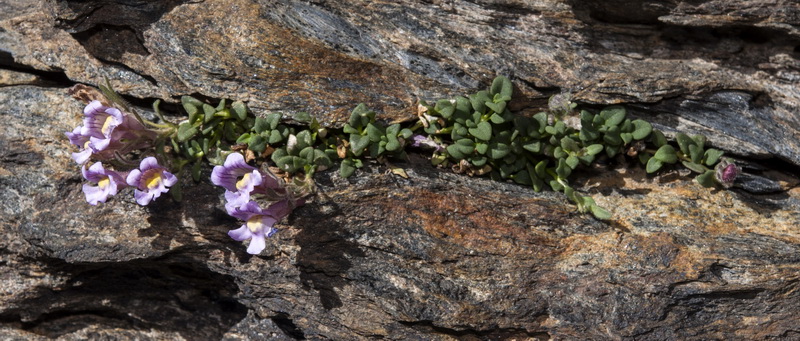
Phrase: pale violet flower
pixel 258 223
pixel 108 183
pixel 150 180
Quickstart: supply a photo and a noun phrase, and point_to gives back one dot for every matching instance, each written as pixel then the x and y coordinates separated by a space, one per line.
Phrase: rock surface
pixel 436 256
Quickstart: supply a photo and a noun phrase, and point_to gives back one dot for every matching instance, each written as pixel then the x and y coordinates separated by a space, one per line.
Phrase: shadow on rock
pixel 171 294
pixel 325 253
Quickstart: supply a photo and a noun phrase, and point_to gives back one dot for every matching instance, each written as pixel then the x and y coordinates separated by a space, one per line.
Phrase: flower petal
pixel 149 163
pixel 241 233
pixel 169 179
pixel 143 198
pixel 83 156
pixel 134 177
pixel 94 106
pixel 94 194
pixel 257 244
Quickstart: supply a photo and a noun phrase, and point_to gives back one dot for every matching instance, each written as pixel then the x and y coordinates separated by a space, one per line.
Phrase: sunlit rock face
pixel 435 256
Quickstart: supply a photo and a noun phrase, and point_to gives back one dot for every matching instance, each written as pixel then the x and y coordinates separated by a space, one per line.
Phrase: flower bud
pixel 726 172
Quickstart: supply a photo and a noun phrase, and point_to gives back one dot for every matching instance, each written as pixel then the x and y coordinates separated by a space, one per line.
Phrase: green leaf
pixel 613 115
pixel 573 196
pixel 275 137
pixel 712 156
pixel 304 139
pixel 348 129
pixel 261 125
pixel 563 170
pixel 533 146
pixel 559 152
pixel 347 168
pixel 191 110
pixel 375 132
pixel 572 161
pixel 697 168
pixel 696 153
pixel 257 144
pixel 445 108
pixel 189 100
pixel 612 136
pixel 221 105
pixel 626 138
pixel 658 138
pixel 588 134
pixel 666 154
pixel 240 110
pixel 569 145
pixel 496 107
pixel 541 169
pixel 273 119
pixel 302 117
pixel 653 165
pixel 684 141
pixel 479 100
pixel 644 158
pixel 463 106
pixel 406 133
pixel 186 131
pixel 523 178
pixel 358 143
pixel 561 127
pixel 481 148
pixel 556 186
pixel 393 145
pixel 497 118
pixel 642 129
pixel 611 151
pixel 244 138
pixel 594 149
pixel 502 85
pixel 699 140
pixel 483 131
pixel 478 160
pixel 498 150
pixel 706 179
pixel 209 112
pixel 600 213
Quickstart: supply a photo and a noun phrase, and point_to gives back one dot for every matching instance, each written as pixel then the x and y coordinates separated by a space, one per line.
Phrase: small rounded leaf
pixel 666 154
pixel 642 129
pixel 653 165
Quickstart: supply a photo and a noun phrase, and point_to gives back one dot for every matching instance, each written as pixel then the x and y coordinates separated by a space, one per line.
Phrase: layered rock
pixel 435 256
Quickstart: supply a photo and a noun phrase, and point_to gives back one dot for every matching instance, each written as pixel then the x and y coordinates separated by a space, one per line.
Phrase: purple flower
pixel 726 172
pixel 258 223
pixel 422 141
pixel 108 183
pixel 106 131
pixel 99 123
pixel 150 180
pixel 81 141
pixel 238 178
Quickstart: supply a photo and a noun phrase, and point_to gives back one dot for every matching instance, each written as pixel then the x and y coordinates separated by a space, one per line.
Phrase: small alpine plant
pixel 266 167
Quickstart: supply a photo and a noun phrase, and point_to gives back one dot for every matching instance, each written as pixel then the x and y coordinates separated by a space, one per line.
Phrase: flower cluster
pixel 247 190
pixel 107 136
pixel 108 133
pixel 112 138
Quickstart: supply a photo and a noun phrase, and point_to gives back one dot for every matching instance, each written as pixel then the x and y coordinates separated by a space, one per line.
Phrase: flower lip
pixel 150 180
pixel 108 183
pixel 100 121
pixel 258 225
pixel 228 174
